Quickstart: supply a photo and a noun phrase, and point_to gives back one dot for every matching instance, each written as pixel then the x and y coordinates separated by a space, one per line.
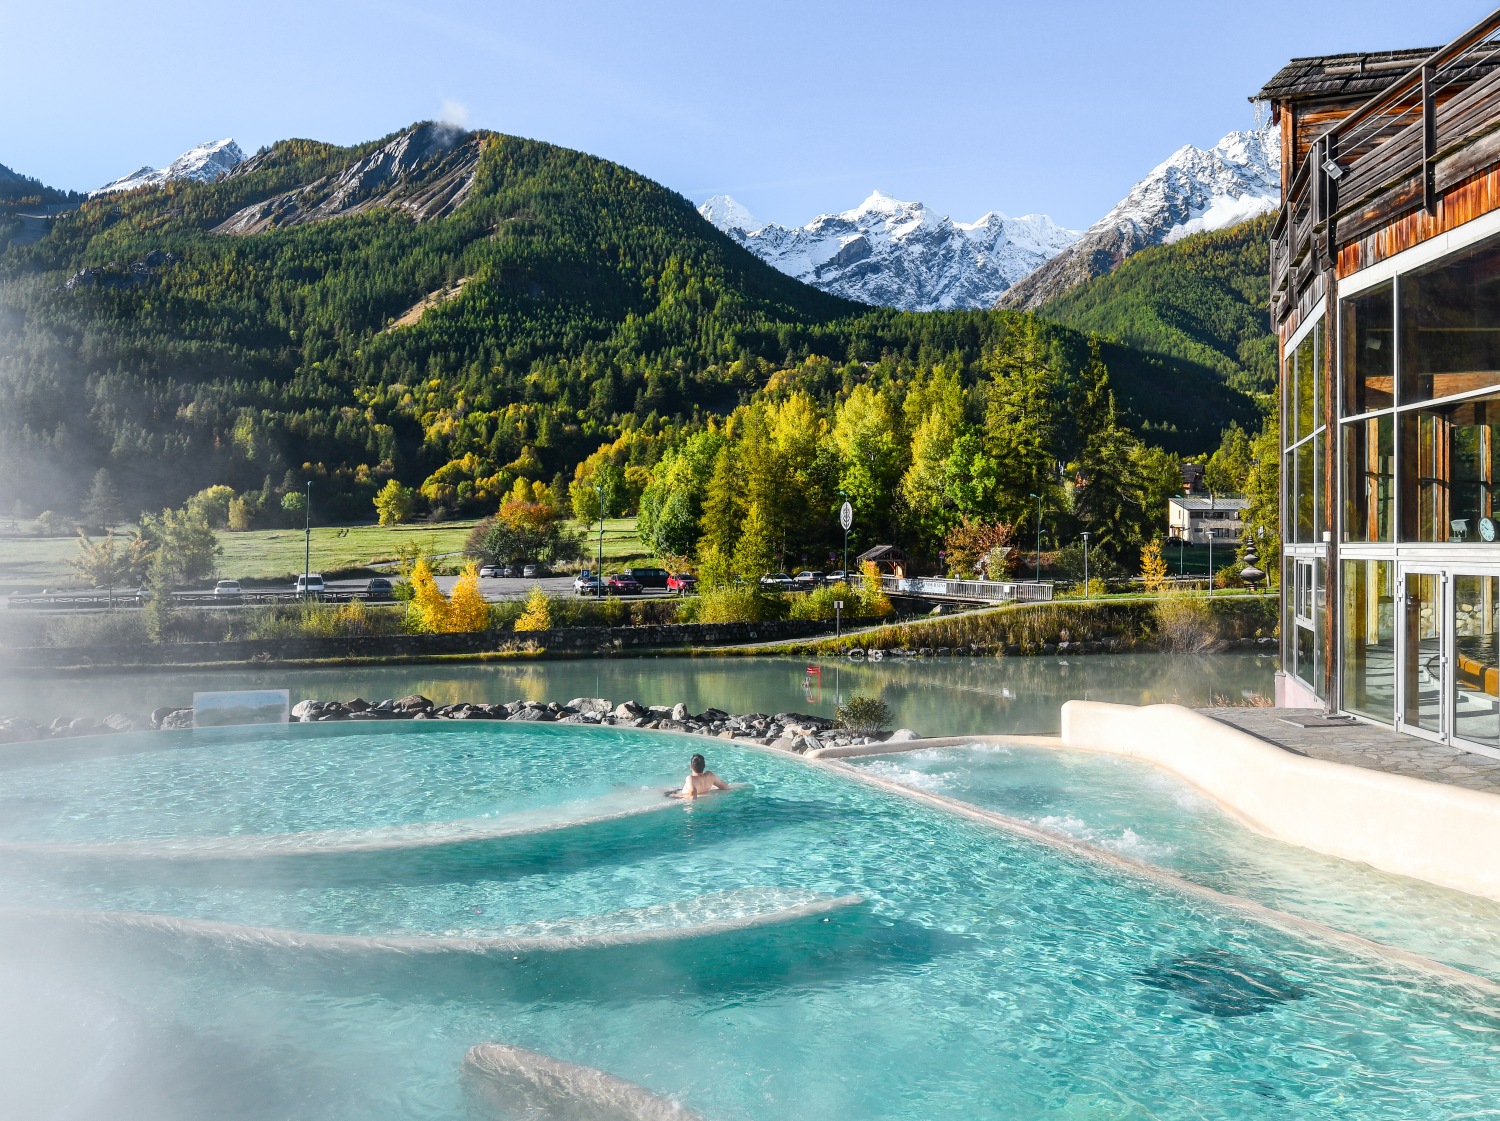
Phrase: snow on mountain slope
pixel 205 163
pixel 1191 191
pixel 899 254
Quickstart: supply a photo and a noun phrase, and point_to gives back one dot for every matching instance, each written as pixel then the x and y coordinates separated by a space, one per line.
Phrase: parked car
pixel 532 570
pixel 807 580
pixel 776 582
pixel 509 571
pixel 587 584
pixel 489 571
pixel 683 583
pixel 380 588
pixel 228 589
pixel 649 577
pixel 622 585
pixel 840 576
pixel 311 585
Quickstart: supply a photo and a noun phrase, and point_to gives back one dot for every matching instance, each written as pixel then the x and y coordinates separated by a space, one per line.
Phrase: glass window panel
pixel 1289 398
pixel 1450 325
pixel 1369 640
pixel 1302 491
pixel 1423 667
pixel 1288 615
pixel 1476 681
pixel 1369 359
pixel 1369 479
pixel 1320 504
pixel 1307 379
pixel 1320 616
pixel 1449 471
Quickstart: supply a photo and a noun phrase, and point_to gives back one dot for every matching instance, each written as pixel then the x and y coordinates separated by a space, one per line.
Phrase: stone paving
pixel 1365 745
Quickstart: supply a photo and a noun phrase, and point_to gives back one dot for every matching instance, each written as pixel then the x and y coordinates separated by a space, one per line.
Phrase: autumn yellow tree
pixel 538 613
pixel 429 610
pixel 873 602
pixel 1153 567
pixel 467 608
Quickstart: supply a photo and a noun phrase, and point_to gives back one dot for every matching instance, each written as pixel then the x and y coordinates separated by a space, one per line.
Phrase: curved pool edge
pixel 1282 920
pixel 1445 835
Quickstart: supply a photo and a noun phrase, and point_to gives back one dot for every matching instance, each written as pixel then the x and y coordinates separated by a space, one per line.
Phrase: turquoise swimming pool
pixel 321 922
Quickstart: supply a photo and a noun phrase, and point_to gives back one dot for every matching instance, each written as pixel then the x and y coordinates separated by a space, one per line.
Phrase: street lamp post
pixel 1038 498
pixel 599 563
pixel 1086 565
pixel 307 541
pixel 846 523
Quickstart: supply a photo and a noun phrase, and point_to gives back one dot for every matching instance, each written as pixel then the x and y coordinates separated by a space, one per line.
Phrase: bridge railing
pixel 989 591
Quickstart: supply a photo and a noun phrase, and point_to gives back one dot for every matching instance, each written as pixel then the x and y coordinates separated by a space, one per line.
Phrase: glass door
pixel 1476 663
pixel 1423 707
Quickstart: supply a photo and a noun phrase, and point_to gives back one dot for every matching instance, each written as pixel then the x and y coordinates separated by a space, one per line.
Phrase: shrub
pixel 864 714
pixel 817 604
pixel 732 604
pixel 538 613
pixel 1185 623
pixel 1095 589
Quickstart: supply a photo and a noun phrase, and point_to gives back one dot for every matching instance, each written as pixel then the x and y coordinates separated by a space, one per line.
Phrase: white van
pixel 311 585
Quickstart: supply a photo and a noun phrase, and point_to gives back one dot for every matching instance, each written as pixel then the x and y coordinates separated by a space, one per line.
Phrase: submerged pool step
pixel 719 913
pixel 325 842
pixel 528 1083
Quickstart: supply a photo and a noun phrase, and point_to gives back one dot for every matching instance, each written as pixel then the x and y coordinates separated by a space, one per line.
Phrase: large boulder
pixel 629 710
pixel 902 735
pixel 589 706
pixel 414 703
pixel 307 710
pixel 177 719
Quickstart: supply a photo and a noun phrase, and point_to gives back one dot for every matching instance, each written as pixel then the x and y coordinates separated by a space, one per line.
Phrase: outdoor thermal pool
pixel 320 921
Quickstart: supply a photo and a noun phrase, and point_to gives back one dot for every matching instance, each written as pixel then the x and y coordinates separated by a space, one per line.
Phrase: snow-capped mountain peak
pixel 726 214
pixel 1193 190
pixel 900 254
pixel 204 164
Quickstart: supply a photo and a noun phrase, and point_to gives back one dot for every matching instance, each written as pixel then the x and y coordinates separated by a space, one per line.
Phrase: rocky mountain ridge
pixel 899 254
pixel 1193 190
pixel 426 170
pixel 204 164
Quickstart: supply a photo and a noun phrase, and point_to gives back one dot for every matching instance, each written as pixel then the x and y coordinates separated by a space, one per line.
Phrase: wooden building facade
pixel 1385 294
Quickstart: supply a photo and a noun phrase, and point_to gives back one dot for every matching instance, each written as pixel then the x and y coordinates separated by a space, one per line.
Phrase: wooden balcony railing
pixel 1433 127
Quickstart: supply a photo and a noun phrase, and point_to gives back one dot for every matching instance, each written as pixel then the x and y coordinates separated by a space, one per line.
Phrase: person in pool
pixel 700 781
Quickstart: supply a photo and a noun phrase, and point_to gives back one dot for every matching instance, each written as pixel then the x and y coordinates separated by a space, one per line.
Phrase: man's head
pixel 697 763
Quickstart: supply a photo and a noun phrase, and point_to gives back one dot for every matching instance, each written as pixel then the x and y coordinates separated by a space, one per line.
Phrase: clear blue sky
pixel 794 108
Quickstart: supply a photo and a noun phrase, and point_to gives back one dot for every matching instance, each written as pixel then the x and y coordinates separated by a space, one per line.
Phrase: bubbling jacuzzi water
pixel 322 922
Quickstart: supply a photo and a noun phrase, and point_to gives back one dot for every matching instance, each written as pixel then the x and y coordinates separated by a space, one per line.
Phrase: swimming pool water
pixel 1147 814
pixel 983 975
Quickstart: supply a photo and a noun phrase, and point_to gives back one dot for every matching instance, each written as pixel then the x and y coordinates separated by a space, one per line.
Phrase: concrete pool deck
pixel 1433 830
pixel 1372 746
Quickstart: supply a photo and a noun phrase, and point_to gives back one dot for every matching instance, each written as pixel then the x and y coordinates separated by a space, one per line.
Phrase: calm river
pixel 954 696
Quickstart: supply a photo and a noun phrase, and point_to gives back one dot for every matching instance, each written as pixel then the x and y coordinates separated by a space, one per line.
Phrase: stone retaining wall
pixel 570 640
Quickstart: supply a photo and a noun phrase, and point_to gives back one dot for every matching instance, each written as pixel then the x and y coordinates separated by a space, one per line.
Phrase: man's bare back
pixel 700 781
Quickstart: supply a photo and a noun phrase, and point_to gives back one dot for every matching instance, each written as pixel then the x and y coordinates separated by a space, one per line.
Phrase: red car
pixel 683 583
pixel 621 585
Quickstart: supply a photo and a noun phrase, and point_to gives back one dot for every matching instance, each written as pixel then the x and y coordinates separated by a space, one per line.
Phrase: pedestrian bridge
pixel 967 591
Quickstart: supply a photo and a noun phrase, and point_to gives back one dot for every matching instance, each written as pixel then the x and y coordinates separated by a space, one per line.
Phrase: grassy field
pixel 28 563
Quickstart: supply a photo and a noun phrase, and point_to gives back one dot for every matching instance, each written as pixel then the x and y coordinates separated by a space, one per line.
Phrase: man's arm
pixel 720 784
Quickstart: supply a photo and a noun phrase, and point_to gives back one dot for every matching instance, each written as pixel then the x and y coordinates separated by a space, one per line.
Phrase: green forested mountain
pixel 1202 300
pixel 454 310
